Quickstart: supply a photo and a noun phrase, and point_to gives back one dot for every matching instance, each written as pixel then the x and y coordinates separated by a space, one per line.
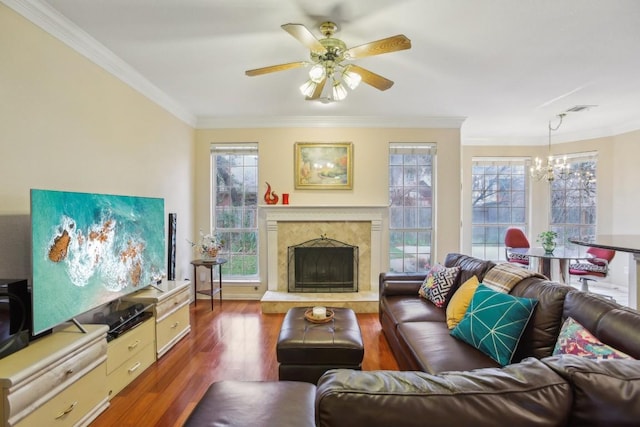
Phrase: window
pixel 499 194
pixel 235 206
pixel 573 199
pixel 411 175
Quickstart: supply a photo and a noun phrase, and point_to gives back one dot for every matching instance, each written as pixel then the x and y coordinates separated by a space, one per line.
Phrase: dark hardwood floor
pixel 234 341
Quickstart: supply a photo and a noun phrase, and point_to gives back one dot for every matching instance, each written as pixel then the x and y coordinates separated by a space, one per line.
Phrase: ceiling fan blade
pixel 274 68
pixel 371 78
pixel 390 44
pixel 318 91
pixel 304 36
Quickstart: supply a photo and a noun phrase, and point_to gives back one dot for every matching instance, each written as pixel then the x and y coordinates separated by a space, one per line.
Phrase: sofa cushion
pixel 523 395
pixel 611 323
pixel 577 340
pixel 494 323
pixel 469 266
pixel 541 333
pixel 606 392
pixel 411 309
pixel 460 300
pixel 434 350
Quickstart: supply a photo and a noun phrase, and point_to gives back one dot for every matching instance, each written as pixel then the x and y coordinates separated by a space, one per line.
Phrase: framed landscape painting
pixel 324 165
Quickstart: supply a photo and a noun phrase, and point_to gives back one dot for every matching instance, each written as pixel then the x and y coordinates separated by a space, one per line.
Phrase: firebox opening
pixel 323 265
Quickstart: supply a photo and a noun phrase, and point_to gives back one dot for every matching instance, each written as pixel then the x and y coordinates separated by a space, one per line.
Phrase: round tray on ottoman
pixel 308 314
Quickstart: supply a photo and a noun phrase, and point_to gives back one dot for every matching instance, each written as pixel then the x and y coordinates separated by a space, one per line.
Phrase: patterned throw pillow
pixel 576 339
pixel 428 281
pixel 494 323
pixel 442 284
pixel 438 284
pixel 460 301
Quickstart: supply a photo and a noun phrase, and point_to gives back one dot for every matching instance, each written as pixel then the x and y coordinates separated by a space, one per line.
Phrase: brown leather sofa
pixel 420 340
pixel 445 382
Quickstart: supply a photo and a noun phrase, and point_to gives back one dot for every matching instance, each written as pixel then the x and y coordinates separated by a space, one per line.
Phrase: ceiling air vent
pixel 579 108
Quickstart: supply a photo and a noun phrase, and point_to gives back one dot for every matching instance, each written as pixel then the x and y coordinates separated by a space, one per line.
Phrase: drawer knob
pixel 175 325
pixel 134 368
pixel 66 411
pixel 68 371
pixel 134 345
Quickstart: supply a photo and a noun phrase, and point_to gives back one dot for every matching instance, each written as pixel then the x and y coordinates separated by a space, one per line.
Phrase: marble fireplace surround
pixel 289 225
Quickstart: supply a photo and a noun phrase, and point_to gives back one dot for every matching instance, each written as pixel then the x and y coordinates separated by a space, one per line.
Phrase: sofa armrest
pixel 524 394
pixel 400 283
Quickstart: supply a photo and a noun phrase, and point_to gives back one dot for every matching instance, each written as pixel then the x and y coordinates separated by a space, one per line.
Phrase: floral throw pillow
pixel 438 284
pixel 577 340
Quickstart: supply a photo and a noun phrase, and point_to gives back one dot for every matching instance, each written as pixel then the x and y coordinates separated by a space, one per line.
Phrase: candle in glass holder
pixel 319 313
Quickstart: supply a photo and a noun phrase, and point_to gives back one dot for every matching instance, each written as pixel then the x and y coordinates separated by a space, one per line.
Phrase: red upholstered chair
pixel 516 239
pixel 597 266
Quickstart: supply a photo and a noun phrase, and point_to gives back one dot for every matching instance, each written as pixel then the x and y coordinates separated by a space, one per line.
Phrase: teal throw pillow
pixel 494 323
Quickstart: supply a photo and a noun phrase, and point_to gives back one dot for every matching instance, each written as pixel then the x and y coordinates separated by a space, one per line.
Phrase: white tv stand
pixel 68 377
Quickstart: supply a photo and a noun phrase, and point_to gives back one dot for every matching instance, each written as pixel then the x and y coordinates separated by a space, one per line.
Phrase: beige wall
pixel 66 124
pixel 370 180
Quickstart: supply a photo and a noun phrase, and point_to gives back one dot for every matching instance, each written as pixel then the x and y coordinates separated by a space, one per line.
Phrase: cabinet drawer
pixel 129 344
pixel 167 307
pixel 79 403
pixel 172 328
pixel 130 369
pixel 48 383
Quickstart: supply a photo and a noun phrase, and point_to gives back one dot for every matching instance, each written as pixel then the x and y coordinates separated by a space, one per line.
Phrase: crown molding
pixel 329 122
pixel 51 21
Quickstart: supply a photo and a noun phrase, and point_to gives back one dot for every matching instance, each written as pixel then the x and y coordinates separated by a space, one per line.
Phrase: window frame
pixel 231 234
pixel 494 249
pixel 416 233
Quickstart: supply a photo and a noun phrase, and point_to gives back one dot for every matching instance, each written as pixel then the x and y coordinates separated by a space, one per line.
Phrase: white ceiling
pixel 506 66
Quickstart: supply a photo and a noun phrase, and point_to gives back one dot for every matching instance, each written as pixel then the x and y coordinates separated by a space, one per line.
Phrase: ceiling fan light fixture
pixel 317 73
pixel 339 91
pixel 351 79
pixel 308 88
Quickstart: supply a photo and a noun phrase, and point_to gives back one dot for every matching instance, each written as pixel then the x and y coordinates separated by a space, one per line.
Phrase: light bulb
pixel 308 88
pixel 317 73
pixel 339 92
pixel 350 78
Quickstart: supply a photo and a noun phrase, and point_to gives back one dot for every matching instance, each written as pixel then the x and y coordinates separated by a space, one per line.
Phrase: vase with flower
pixel 209 245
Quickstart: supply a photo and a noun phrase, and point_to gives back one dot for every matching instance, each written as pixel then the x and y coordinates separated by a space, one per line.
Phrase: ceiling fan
pixel 330 61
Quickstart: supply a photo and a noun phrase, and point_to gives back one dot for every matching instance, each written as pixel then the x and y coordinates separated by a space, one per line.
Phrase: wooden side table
pixel 210 264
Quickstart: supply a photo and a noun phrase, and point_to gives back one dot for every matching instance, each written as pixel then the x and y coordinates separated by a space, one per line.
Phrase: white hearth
pixel 288 225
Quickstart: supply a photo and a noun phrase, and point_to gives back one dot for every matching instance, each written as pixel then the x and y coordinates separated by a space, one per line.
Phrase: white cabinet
pixel 58 380
pixel 129 355
pixel 170 309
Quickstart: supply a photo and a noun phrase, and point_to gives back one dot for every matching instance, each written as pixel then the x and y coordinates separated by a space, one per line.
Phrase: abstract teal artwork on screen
pixel 89 249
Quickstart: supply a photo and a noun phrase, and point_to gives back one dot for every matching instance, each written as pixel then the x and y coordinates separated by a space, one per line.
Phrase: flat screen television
pixel 89 249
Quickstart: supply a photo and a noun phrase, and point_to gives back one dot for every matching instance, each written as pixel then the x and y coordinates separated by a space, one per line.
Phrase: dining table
pixel 555 264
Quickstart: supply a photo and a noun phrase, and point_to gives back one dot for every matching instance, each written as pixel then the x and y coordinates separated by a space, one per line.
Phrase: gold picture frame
pixel 323 165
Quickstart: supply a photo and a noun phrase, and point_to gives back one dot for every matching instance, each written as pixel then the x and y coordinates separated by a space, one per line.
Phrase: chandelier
pixel 554 166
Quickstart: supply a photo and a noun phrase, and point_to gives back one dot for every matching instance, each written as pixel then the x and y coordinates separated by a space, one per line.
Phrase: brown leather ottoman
pixel 307 350
pixel 255 404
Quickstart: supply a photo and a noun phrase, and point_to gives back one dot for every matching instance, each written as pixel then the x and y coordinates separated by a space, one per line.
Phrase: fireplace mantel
pixel 273 215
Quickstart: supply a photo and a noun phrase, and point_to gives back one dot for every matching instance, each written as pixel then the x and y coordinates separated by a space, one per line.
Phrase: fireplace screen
pixel 323 265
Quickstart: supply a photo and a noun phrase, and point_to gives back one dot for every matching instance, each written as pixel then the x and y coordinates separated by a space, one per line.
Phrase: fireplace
pixel 323 265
